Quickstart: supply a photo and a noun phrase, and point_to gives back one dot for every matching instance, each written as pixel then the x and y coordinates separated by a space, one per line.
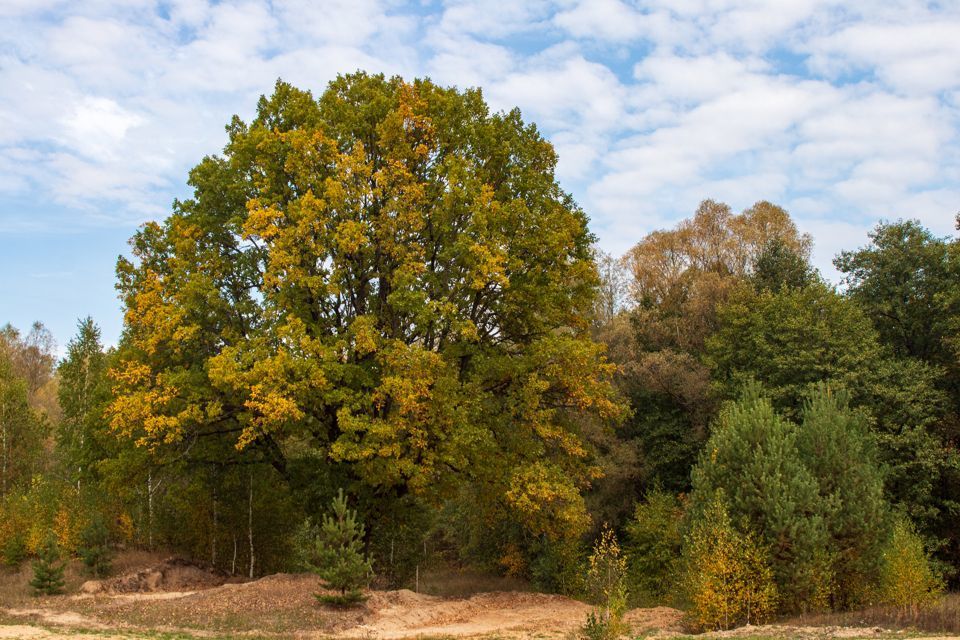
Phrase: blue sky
pixel 844 113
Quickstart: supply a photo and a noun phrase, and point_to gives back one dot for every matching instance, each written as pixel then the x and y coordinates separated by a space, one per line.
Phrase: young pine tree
pixel 48 569
pixel 838 449
pixel 334 551
pixel 752 456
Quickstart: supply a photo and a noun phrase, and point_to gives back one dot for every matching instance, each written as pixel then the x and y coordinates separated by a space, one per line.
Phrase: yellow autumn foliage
pixel 727 578
pixel 907 579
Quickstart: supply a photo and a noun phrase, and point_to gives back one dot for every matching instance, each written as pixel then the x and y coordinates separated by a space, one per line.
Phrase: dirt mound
pixel 284 604
pixel 173 574
pixel 404 614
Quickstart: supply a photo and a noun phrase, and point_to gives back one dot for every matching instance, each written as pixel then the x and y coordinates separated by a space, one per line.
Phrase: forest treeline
pixel 384 290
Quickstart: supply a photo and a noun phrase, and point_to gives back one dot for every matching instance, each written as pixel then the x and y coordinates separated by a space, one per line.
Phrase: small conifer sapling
pixel 48 569
pixel 335 552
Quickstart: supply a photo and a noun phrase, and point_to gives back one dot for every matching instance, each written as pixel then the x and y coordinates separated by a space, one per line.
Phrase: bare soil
pixel 176 599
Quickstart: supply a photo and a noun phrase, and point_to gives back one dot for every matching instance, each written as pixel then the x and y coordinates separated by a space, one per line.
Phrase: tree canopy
pixel 388 275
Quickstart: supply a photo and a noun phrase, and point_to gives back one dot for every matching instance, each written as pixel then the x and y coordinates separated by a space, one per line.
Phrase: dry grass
pixel 449 582
pixel 15 587
pixel 943 617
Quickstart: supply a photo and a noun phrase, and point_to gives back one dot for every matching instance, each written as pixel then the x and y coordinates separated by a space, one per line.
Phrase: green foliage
pixel 48 569
pixel 14 550
pixel 780 266
pixel 725 574
pixel 556 566
pixel 94 550
pixel 30 514
pixel 397 530
pixel 791 339
pixel 606 584
pixel 907 578
pixel 908 282
pixel 334 551
pixel 83 393
pixel 837 448
pixel 21 427
pixel 900 279
pixel 753 457
pixel 387 277
pixel 797 338
pixel 812 493
pixel 680 277
pixel 653 547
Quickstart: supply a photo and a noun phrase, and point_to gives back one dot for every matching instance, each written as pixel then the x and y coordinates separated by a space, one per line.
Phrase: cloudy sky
pixel 843 112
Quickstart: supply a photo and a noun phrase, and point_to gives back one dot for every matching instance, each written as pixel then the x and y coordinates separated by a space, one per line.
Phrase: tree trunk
pixel 250 522
pixel 3 448
pixel 213 536
pixel 150 508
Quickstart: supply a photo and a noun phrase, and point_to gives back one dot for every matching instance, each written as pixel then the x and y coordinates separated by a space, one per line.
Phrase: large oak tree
pixel 388 277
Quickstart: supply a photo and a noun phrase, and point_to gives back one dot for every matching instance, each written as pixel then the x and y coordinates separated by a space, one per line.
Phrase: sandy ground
pixel 171 597
pixel 404 614
pixel 387 615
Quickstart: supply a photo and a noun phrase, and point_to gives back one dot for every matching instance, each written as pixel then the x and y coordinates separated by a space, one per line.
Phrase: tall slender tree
pixel 83 393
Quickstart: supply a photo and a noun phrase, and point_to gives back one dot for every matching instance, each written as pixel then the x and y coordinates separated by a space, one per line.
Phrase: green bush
pixel 95 548
pixel 14 550
pixel 556 566
pixel 653 548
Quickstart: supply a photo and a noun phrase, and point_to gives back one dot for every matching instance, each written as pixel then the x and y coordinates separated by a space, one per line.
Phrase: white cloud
pixel 696 78
pixel 603 20
pixel 921 57
pixel 97 126
pixel 492 18
pixel 824 106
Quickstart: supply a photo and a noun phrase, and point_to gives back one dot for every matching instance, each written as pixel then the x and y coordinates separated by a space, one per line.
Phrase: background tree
pixel 780 266
pixel 33 357
pixel 21 429
pixel 83 394
pixel 907 281
pixel 791 339
pixel 900 280
pixel 796 338
pixel 679 278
